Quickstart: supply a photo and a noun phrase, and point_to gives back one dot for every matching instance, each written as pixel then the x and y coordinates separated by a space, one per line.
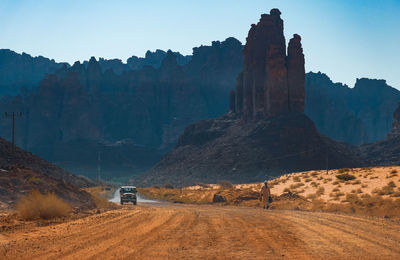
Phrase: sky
pixel 342 38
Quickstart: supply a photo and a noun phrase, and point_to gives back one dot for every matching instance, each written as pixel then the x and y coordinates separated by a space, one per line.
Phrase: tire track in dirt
pixel 207 232
pixel 343 234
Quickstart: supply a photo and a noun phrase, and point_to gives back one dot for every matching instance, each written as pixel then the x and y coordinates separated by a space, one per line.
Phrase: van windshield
pixel 128 190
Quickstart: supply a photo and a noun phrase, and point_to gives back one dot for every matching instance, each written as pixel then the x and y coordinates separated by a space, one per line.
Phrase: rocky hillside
pixel 21 172
pixel 229 149
pixel 266 132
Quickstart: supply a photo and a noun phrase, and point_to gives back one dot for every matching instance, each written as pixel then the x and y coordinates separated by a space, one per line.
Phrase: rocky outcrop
pixel 396 122
pixel 359 115
pixel 272 83
pixel 266 137
pixel 385 152
pixel 228 148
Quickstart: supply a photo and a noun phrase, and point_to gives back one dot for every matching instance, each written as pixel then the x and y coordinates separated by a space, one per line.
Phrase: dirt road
pixel 207 232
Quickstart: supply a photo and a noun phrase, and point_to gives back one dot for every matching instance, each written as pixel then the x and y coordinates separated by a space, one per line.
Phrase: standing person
pixel 265 195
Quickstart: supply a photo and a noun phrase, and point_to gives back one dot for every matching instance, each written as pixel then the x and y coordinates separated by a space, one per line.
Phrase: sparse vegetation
pixel 345 176
pixel 296 179
pixel 314 184
pixel 343 170
pixel 297 185
pixel 46 206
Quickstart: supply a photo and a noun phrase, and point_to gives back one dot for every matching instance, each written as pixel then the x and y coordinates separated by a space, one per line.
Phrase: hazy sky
pixel 347 39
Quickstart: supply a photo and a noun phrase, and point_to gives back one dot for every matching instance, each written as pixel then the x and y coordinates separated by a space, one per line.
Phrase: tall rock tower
pixel 272 83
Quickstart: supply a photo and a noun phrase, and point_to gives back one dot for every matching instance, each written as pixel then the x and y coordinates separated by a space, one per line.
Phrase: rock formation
pixel 358 115
pixel 96 108
pixel 396 122
pixel 265 133
pixel 385 152
pixel 272 82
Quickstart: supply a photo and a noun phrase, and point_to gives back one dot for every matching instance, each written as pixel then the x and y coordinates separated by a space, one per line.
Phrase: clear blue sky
pixel 347 39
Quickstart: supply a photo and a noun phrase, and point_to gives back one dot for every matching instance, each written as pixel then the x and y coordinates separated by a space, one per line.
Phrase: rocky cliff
pixel 149 106
pixel 265 133
pixel 358 115
pixel 22 70
pixel 272 83
pixel 385 152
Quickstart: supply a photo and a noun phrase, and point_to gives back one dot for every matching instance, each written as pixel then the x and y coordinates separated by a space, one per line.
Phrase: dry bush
pixel 364 186
pixel 393 172
pixel 345 176
pixel 391 184
pixel 314 174
pixel 356 182
pixel 46 206
pixel 335 189
pixel 225 184
pixel 320 191
pixel 295 186
pixel 314 184
pixel 307 180
pixel 296 179
pixel 343 170
pixel 335 183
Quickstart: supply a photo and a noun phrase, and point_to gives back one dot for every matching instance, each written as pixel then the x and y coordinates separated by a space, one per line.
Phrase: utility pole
pixel 327 159
pixel 13 115
pixel 98 165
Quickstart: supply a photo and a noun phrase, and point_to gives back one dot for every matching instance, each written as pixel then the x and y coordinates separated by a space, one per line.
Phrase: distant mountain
pixel 22 70
pixel 149 106
pixel 358 115
pixel 152 59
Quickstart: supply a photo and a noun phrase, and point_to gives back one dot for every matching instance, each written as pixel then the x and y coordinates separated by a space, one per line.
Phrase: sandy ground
pixel 171 231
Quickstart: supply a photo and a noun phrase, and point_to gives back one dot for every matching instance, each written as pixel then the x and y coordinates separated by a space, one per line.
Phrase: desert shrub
pixel 168 186
pixel 335 183
pixel 356 182
pixel 391 184
pixel 364 186
pixel 339 194
pixel 343 170
pixel 307 180
pixel 393 172
pixel 314 184
pixel 335 189
pixel 296 179
pixel 286 190
pixel 46 206
pixel 314 174
pixel 359 191
pixel 345 177
pixel 320 191
pixel 225 184
pixel 297 185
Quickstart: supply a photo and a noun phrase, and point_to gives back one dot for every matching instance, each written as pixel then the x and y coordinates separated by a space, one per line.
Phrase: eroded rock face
pixel 396 122
pixel 272 83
